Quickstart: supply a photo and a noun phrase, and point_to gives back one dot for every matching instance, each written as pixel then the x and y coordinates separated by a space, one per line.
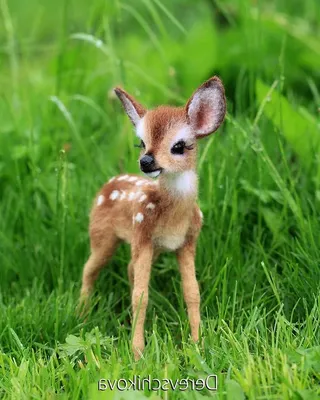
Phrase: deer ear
pixel 134 110
pixel 206 108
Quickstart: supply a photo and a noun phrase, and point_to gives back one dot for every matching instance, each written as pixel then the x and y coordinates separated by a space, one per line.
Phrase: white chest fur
pixel 172 236
pixel 170 242
pixel 171 232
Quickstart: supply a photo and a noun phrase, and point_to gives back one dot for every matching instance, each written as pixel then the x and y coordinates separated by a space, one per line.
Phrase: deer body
pixel 161 215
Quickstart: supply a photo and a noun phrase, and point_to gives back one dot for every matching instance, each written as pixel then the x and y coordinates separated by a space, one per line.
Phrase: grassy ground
pixel 63 134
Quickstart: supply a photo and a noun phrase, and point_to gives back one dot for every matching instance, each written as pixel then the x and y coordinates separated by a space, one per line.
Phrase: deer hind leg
pixel 131 273
pixel 141 265
pixel 100 254
pixel 186 256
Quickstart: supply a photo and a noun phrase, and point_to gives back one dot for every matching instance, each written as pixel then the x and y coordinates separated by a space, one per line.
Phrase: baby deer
pixel 161 215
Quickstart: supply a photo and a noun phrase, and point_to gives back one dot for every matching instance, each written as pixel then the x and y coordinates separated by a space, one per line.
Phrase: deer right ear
pixel 134 110
pixel 206 108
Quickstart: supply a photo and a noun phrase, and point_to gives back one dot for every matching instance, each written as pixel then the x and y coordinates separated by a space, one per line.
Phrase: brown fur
pixel 162 124
pixel 159 123
pixel 163 217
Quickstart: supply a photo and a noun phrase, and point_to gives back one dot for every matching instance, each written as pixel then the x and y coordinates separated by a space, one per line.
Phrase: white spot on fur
pixel 141 182
pixel 123 177
pixel 114 195
pixel 131 196
pixel 140 129
pixel 132 178
pixel 182 183
pixel 100 200
pixel 151 206
pixel 111 179
pixel 201 214
pixel 142 198
pixel 135 195
pixel 123 195
pixel 139 217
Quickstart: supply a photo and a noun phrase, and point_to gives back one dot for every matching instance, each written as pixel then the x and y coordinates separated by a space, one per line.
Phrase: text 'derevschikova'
pixel 210 382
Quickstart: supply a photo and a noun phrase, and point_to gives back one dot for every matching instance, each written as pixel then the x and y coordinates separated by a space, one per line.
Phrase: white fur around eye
pixel 184 134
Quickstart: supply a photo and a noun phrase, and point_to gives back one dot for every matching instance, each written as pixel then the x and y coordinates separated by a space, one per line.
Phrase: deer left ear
pixel 132 107
pixel 206 108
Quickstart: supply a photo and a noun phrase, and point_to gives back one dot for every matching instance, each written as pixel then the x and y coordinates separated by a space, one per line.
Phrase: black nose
pixel 147 163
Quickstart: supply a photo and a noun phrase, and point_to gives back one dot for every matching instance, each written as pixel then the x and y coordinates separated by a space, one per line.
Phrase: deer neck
pixel 179 186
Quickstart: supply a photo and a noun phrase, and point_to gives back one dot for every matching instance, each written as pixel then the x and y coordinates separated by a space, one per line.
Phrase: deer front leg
pixel 141 265
pixel 186 256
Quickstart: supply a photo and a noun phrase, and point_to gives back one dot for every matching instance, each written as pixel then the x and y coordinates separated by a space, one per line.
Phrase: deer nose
pixel 147 163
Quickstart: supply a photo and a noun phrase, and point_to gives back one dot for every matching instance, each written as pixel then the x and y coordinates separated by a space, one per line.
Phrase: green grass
pixel 63 134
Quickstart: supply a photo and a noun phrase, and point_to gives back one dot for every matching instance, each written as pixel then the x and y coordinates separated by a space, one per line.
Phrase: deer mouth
pixel 155 173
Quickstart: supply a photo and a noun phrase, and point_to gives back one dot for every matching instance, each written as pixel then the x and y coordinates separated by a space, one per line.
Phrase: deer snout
pixel 147 163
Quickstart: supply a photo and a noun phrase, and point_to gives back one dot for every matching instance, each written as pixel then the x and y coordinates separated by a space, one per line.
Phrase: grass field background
pixel 63 134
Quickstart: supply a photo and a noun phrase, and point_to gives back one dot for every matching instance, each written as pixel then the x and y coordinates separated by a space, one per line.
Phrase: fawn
pixel 156 215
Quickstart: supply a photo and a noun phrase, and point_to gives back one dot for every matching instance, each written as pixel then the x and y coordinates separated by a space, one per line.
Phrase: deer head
pixel 168 135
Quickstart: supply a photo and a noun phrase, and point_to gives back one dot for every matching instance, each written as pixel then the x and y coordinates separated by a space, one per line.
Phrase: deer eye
pixel 141 145
pixel 180 146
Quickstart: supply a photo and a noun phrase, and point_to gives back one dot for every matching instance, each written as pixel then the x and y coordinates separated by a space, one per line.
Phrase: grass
pixel 63 134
